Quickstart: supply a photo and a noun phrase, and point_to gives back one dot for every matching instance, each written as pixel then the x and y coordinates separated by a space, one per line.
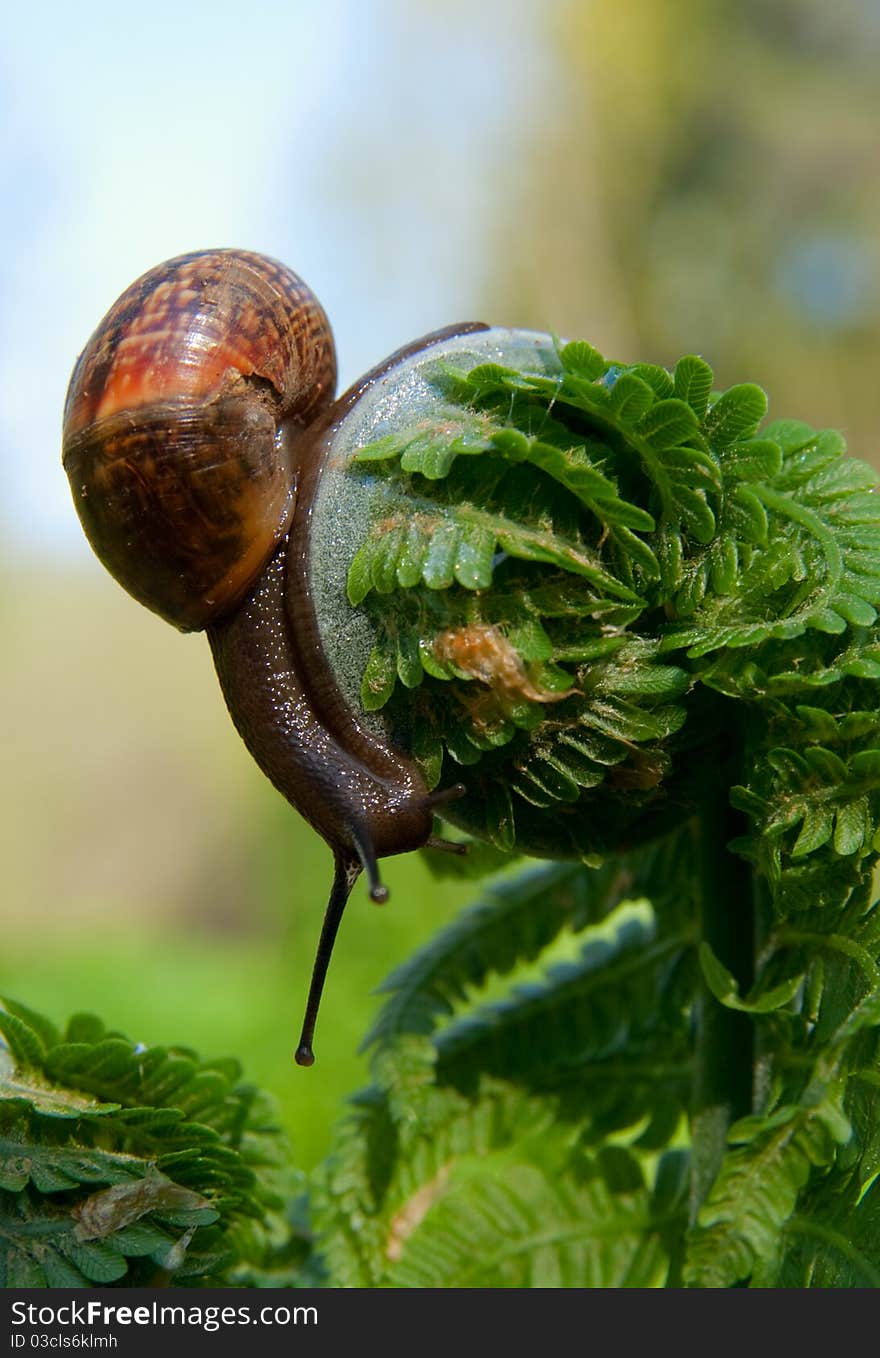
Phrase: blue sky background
pixel 367 145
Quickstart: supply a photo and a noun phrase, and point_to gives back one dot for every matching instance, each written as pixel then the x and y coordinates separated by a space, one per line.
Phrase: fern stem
pixel 724 1040
pixel 765 1048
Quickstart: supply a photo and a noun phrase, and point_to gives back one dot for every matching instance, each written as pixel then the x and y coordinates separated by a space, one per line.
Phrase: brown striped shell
pixel 179 424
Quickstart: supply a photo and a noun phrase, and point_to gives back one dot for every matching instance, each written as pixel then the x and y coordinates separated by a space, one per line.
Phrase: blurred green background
pixel 655 177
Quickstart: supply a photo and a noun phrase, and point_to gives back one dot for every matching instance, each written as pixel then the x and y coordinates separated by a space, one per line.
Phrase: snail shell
pixel 179 423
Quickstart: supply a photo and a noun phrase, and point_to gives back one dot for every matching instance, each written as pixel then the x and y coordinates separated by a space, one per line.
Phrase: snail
pixel 200 433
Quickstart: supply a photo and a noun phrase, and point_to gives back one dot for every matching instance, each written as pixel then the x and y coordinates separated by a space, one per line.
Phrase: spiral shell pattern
pixel 180 425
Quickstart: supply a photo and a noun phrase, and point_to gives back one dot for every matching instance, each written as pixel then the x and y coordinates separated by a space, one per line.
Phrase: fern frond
pixel 756 1191
pixel 510 925
pixel 606 598
pixel 119 1163
pixel 659 514
pixel 791 552
pixel 439 546
pixel 513 924
pixel 606 1003
pixel 486 1192
pixel 814 808
pixel 497 1222
pixel 831 1241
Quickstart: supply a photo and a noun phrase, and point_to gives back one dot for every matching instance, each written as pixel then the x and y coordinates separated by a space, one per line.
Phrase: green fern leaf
pixel 84 1157
pixel 500 1223
pixel 613 995
pixel 693 383
pixel 756 1191
pixel 735 415
pixel 485 1192
pixel 511 925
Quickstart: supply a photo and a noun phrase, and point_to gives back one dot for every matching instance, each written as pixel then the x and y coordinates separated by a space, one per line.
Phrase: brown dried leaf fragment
pixel 110 1209
pixel 481 651
pixel 413 1212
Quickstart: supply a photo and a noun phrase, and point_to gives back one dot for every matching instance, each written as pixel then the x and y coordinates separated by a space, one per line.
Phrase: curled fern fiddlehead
pixel 639 624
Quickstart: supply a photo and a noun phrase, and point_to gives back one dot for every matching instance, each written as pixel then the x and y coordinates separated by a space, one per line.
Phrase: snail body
pixel 183 443
pixel 205 454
